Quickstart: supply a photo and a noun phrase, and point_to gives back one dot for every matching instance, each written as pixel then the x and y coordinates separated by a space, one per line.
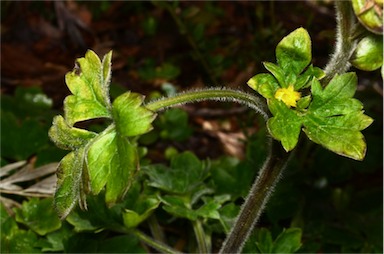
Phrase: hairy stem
pixel 345 43
pixel 268 176
pixel 215 94
pixel 162 248
pixel 257 198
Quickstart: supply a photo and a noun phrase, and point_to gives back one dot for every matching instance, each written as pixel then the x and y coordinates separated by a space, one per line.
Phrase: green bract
pixel 370 14
pixel 368 55
pixel 330 116
pixel 108 159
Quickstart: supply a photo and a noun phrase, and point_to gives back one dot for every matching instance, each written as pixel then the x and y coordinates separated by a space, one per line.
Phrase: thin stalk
pixel 345 43
pixel 200 237
pixel 155 228
pixel 257 198
pixel 264 184
pixel 162 248
pixel 215 94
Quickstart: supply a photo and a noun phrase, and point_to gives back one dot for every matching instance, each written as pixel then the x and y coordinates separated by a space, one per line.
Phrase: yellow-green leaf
pixel 112 162
pixel 89 84
pixel 131 118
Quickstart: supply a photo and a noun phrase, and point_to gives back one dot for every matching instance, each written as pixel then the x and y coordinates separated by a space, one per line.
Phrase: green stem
pixel 162 248
pixel 257 198
pixel 200 237
pixel 155 228
pixel 215 94
pixel 264 184
pixel 345 43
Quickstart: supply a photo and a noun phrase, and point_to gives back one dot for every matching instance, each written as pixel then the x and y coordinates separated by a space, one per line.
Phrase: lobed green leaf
pixel 293 53
pixel 285 126
pixel 278 73
pixel 38 215
pixel 265 84
pixel 304 79
pixel 340 87
pixel 106 160
pixel 264 240
pixel 142 209
pixel 288 241
pixel 112 162
pixel 89 84
pixel 335 119
pixel 130 117
pixel 66 137
pixel 77 109
pixel 69 180
pixel 185 174
pixel 340 134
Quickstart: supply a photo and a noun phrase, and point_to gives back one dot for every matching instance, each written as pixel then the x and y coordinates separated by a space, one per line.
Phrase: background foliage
pixel 324 203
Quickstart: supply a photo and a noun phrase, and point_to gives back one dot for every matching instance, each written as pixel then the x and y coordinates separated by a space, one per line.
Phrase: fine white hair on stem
pixel 345 44
pixel 213 94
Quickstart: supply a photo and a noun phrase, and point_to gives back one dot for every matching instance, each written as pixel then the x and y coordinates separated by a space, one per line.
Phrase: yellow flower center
pixel 288 95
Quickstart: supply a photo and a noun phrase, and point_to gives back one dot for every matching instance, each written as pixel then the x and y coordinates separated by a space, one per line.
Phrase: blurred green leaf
pixel 82 243
pixel 288 241
pixel 121 244
pixel 20 241
pixel 152 71
pixel 149 26
pixel 81 224
pixel 264 240
pixel 28 102
pixel 229 176
pixel 228 214
pixel 98 217
pixel 55 240
pixel 142 209
pixel 24 137
pixel 13 239
pixel 181 207
pixel 185 174
pixel 38 215
pixel 174 125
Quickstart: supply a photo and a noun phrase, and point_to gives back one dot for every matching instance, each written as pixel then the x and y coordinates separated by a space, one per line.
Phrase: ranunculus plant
pixel 294 97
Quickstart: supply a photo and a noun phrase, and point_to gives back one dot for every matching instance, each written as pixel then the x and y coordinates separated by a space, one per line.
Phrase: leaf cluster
pixel 107 159
pixel 25 118
pixel 329 116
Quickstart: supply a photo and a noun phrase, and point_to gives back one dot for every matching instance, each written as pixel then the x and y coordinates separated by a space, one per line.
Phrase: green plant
pixel 102 174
